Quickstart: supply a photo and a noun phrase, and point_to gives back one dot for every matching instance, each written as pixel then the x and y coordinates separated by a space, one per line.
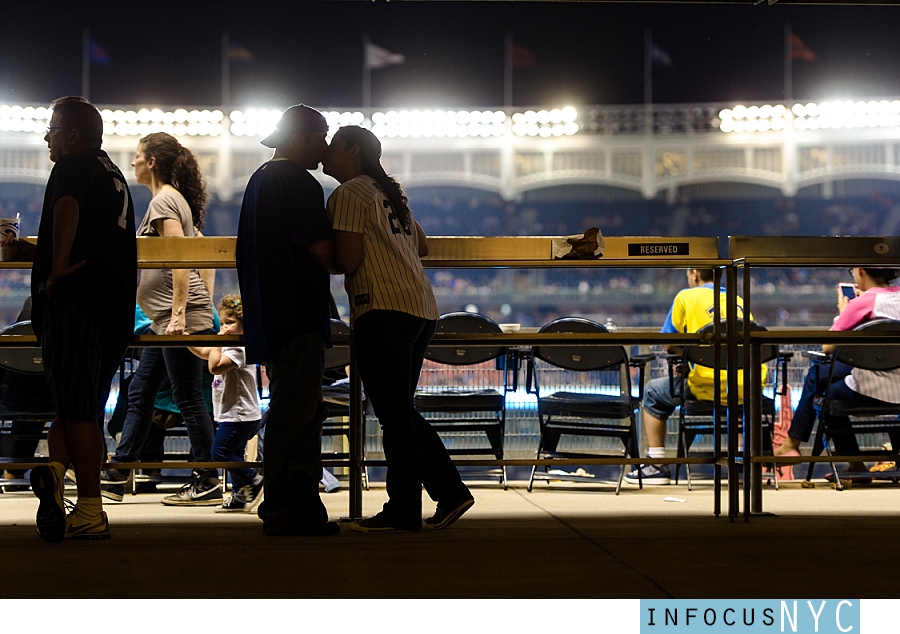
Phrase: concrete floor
pixel 559 541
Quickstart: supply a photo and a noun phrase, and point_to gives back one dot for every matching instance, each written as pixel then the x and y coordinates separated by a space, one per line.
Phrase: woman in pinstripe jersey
pixel 378 246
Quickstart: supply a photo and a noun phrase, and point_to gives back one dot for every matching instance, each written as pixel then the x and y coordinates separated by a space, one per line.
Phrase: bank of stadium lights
pixel 828 115
pixel 260 122
pixel 753 118
pixel 180 122
pixel 438 123
pixel 846 114
pixel 24 119
pixel 545 123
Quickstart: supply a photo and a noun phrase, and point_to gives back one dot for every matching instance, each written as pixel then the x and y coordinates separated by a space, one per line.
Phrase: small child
pixel 235 407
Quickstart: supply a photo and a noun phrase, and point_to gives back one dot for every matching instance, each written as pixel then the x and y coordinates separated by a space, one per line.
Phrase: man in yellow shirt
pixel 691 309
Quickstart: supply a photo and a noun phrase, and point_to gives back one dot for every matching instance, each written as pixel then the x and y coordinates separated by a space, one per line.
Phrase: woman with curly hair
pixel 235 406
pixel 178 302
pixel 378 246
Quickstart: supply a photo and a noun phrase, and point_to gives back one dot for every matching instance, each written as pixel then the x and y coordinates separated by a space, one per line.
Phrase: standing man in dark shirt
pixel 284 254
pixel 83 283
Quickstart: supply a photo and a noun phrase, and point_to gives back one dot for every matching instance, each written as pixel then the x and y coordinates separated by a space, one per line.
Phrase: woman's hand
pixel 176 324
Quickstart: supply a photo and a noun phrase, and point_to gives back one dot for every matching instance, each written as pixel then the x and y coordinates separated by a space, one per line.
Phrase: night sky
pixel 168 53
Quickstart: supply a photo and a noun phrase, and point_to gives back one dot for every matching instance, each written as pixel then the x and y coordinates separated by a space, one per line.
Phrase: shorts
pixel 658 398
pixel 81 356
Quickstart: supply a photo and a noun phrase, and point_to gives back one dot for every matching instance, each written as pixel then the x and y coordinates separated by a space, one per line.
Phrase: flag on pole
pixel 239 54
pixel 799 50
pixel 378 57
pixel 97 55
pixel 659 56
pixel 522 57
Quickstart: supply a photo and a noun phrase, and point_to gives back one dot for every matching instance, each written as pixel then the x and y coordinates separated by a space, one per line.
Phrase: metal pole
pixel 357 434
pixel 731 338
pixel 717 395
pixel 86 63
pixel 367 74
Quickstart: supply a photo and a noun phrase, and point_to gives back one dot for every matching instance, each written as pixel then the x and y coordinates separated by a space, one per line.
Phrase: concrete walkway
pixel 558 541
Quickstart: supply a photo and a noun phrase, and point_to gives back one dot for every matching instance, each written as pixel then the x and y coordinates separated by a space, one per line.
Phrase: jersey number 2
pixel 395 222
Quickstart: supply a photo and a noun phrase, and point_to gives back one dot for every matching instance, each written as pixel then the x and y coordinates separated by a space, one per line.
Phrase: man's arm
pixel 66 212
pixel 323 253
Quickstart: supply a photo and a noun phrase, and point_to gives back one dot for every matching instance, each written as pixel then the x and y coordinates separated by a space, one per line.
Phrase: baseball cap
pixel 298 118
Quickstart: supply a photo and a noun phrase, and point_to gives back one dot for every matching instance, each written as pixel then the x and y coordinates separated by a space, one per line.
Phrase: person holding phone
pixel 873 297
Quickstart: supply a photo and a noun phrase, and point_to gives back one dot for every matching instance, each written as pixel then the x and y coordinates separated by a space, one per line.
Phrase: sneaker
pixel 51 515
pixel 78 527
pixel 200 491
pixel 330 483
pixel 113 476
pixel 651 475
pixel 114 492
pixel 233 504
pixel 252 495
pixel 443 517
pixel 376 524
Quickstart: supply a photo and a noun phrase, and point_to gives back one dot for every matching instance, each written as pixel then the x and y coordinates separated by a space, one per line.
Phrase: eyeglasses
pixel 51 128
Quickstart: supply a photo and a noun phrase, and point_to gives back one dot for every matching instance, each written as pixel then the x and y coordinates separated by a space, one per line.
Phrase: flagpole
pixel 507 71
pixel 648 68
pixel 367 74
pixel 648 80
pixel 226 71
pixel 788 66
pixel 86 63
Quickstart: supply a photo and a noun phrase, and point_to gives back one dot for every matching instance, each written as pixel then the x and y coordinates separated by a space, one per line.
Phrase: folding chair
pixel 695 417
pixel 459 402
pixel 26 404
pixel 584 391
pixel 864 417
pixel 337 401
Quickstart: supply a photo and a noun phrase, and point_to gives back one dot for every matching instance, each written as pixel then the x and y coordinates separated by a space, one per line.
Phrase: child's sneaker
pixel 651 475
pixel 233 504
pixel 253 495
pixel 79 527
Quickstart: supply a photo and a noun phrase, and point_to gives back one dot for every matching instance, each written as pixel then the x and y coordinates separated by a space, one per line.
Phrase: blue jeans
pixel 390 348
pixel 184 370
pixel 805 415
pixel 228 446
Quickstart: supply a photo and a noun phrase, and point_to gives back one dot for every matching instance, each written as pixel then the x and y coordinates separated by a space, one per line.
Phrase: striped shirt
pixel 875 303
pixel 390 276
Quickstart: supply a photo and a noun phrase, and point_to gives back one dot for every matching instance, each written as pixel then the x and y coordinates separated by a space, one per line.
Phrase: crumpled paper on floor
pixel 590 246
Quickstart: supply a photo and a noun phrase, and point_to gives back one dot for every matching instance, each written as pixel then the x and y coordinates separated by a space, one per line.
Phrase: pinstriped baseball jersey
pixel 390 276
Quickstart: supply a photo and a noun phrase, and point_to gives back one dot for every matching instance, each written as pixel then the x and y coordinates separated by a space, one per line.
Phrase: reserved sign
pixel 643 249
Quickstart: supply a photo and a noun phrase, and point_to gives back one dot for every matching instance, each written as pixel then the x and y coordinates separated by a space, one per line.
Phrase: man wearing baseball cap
pixel 284 254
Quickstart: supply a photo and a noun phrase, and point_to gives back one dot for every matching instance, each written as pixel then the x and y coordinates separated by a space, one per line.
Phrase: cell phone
pixel 848 290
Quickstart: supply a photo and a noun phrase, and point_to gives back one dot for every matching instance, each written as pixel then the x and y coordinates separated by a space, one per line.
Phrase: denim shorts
pixel 81 355
pixel 658 398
